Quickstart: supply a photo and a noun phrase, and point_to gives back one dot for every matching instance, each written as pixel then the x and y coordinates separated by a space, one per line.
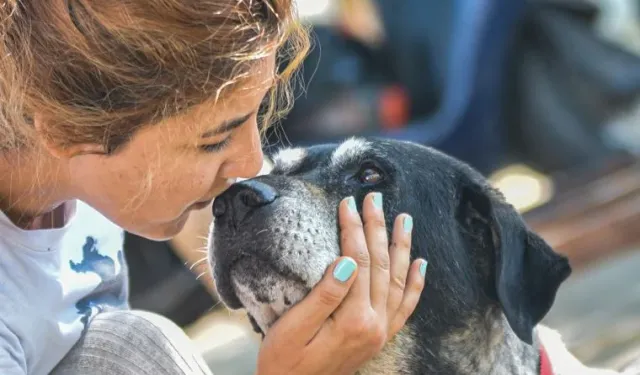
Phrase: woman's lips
pixel 202 204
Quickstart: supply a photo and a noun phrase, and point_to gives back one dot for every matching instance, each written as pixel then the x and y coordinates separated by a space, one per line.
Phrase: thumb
pixel 303 321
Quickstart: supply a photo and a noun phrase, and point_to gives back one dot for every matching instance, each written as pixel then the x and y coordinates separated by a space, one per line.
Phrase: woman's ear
pixel 59 151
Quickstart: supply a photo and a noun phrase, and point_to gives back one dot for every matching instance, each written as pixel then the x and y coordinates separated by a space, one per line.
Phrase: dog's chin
pixel 264 291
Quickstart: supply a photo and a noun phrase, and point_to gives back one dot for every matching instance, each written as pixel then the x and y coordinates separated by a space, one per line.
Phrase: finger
pixel 303 321
pixel 375 230
pixel 411 297
pixel 400 258
pixel 354 244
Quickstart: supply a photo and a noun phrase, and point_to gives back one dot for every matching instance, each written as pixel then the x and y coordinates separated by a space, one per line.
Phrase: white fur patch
pixel 349 150
pixel 562 361
pixel 289 158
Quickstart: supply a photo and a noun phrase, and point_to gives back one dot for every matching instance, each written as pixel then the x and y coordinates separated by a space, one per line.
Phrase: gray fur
pixel 300 238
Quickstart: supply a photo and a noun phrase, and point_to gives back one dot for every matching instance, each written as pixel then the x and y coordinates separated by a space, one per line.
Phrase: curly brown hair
pixel 98 70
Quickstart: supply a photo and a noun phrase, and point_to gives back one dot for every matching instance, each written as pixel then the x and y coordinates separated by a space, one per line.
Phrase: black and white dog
pixel 490 282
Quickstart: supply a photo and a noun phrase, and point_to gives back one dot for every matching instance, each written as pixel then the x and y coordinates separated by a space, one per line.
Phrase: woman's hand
pixel 363 300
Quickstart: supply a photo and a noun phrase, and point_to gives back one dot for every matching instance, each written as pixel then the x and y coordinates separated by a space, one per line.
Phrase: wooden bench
pixel 595 214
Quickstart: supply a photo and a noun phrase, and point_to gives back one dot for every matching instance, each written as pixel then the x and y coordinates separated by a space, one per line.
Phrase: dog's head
pixel 274 236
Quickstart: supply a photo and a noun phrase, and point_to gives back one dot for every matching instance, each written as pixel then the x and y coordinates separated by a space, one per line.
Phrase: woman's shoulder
pixel 80 223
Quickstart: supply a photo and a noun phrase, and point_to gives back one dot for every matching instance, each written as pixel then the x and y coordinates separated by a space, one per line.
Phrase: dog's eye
pixel 370 176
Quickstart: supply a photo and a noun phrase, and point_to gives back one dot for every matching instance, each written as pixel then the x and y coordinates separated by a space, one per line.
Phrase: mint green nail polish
pixel 344 269
pixel 407 224
pixel 377 200
pixel 423 268
pixel 351 203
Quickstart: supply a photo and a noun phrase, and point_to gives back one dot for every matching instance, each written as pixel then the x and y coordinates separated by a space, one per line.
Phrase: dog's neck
pixel 487 345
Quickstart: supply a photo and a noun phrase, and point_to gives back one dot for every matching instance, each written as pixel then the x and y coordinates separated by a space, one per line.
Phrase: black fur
pixel 483 260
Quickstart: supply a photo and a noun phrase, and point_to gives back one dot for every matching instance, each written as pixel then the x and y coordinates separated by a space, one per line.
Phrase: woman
pixel 131 114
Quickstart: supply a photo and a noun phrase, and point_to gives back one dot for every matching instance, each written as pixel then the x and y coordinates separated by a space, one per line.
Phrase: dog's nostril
pixel 250 199
pixel 219 208
pixel 243 198
pixel 255 194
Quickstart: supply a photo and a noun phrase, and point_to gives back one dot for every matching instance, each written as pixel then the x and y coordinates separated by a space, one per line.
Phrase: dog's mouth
pixel 264 290
pixel 270 262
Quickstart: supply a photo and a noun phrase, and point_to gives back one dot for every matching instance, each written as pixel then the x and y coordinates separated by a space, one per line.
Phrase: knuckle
pixel 383 263
pixel 376 221
pixel 377 335
pixel 330 296
pixel 358 327
pixel 371 333
pixel 398 282
pixel 417 285
pixel 362 257
pixel 352 223
pixel 403 243
pixel 355 249
pixel 345 237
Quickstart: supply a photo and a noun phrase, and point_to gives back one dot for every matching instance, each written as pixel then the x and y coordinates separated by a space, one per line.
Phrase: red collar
pixel 545 364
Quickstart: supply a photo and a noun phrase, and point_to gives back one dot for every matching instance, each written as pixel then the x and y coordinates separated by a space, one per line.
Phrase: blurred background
pixel 542 96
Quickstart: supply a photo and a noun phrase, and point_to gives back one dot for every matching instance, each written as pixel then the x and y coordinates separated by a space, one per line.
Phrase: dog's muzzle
pixel 230 210
pixel 267 248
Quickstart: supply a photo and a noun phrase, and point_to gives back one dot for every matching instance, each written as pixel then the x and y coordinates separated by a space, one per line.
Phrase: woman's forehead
pixel 242 100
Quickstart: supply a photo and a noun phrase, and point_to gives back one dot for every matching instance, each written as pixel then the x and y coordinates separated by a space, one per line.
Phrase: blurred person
pixel 130 115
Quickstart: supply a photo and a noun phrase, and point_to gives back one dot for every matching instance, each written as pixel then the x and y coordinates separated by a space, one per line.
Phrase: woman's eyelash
pixel 215 147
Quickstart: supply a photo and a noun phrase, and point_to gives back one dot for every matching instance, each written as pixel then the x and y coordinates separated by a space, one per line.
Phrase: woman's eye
pixel 370 176
pixel 215 147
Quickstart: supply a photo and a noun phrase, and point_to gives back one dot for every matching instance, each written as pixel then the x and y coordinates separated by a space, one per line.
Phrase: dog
pixel 490 282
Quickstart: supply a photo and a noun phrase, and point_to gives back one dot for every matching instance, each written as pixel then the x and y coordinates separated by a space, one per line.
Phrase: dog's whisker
pixel 195 264
pixel 215 305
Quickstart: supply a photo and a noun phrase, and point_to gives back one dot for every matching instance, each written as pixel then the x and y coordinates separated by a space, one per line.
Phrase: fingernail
pixel 423 268
pixel 344 269
pixel 407 224
pixel 351 203
pixel 377 200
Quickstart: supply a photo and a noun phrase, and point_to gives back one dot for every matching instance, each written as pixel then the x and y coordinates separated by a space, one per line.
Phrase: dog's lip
pixel 224 286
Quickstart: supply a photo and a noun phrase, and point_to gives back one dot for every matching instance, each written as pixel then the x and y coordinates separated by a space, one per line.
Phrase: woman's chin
pixel 163 231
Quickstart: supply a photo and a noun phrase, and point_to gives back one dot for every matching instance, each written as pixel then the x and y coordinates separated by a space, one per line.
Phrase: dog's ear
pixel 527 272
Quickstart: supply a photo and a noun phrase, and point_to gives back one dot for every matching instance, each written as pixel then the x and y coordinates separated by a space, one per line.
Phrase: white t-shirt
pixel 51 283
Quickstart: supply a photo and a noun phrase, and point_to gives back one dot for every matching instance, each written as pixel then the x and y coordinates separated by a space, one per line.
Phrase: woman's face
pixel 166 170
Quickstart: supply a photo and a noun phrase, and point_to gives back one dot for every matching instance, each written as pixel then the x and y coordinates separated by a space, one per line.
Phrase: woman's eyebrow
pixel 227 126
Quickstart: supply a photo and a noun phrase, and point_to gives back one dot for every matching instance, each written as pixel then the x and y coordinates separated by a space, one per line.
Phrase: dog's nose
pixel 242 198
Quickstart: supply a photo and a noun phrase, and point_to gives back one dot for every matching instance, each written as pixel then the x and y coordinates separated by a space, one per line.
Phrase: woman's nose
pixel 248 165
pixel 249 158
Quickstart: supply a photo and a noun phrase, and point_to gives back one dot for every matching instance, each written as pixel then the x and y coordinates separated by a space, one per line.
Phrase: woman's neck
pixel 33 189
